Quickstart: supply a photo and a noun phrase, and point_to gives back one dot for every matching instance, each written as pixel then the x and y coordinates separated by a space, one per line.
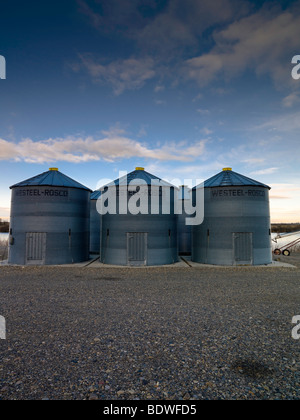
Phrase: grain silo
pixel 50 221
pixel 95 224
pixel 184 230
pixel 143 230
pixel 236 229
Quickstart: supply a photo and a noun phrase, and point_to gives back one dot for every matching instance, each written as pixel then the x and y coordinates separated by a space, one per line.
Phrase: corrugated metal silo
pixel 236 228
pixel 140 239
pixel 50 221
pixel 184 230
pixel 95 224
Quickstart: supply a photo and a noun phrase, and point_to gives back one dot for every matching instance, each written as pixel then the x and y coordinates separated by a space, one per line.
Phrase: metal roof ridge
pixel 134 175
pixel 51 178
pixel 227 179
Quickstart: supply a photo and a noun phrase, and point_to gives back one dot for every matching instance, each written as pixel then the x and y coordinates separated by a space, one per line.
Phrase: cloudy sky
pixel 181 87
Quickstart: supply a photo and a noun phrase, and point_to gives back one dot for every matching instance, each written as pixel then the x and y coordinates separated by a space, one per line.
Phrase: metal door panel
pixel 35 248
pixel 242 248
pixel 137 248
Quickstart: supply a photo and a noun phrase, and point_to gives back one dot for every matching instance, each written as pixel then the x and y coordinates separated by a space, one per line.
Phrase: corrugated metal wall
pixel 95 228
pixel 49 225
pixel 184 230
pixel 161 233
pixel 236 225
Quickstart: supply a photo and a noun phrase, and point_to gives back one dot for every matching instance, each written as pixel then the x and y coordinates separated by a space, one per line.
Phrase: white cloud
pixel 267 171
pixel 206 131
pixel 179 25
pixel 142 132
pixel 254 161
pixel 95 19
pixel 160 102
pixel 263 42
pixel 112 15
pixel 114 145
pixel 161 30
pixel 129 74
pixel 291 100
pixel 159 88
pixel 284 123
pixel 203 111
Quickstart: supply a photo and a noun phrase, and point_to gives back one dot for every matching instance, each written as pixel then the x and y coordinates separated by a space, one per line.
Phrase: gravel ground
pixel 150 334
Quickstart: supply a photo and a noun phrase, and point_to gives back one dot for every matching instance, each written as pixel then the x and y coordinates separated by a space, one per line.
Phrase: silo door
pixel 243 248
pixel 35 248
pixel 137 244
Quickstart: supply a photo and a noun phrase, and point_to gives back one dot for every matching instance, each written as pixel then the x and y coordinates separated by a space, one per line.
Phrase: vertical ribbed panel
pixel 35 248
pixel 62 215
pixel 137 248
pixel 161 230
pixel 236 227
pixel 243 248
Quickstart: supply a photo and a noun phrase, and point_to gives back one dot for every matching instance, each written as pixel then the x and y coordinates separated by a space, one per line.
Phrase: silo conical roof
pixel 229 178
pixel 136 176
pixel 51 178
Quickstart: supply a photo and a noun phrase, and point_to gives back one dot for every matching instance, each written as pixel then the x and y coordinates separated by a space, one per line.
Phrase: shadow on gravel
pixel 252 368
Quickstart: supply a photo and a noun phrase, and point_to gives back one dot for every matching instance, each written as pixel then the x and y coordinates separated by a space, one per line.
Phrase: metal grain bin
pixel 95 225
pixel 236 228
pixel 184 230
pixel 50 221
pixel 140 239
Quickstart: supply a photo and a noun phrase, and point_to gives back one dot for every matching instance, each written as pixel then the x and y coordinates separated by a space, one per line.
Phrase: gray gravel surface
pixel 149 334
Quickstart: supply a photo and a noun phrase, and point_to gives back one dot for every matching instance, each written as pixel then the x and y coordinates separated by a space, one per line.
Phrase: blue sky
pixel 180 87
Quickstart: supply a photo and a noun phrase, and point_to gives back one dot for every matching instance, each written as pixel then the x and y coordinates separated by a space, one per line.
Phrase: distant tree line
pixel 285 227
pixel 4 226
